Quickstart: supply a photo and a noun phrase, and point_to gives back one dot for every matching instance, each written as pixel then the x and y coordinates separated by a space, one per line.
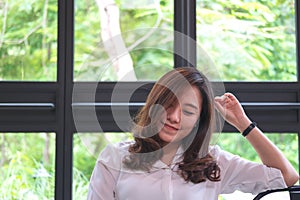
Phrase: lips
pixel 170 127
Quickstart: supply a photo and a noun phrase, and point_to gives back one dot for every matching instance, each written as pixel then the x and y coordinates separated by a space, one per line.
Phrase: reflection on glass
pixel 122 40
pixel 249 40
pixel 27 165
pixel 87 147
pixel 28 40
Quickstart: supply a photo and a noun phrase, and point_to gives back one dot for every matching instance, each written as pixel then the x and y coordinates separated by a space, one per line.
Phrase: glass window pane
pixel 27 165
pixel 87 147
pixel 28 40
pixel 123 40
pixel 236 144
pixel 249 40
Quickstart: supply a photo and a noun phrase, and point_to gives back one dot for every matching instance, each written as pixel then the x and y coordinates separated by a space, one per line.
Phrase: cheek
pixel 183 133
pixel 189 124
pixel 162 118
pixel 157 114
pixel 160 121
pixel 186 128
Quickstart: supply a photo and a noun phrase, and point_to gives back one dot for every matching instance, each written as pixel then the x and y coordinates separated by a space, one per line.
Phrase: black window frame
pixel 22 103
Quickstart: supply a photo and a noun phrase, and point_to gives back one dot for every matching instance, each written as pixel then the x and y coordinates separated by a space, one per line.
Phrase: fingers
pixel 223 102
pixel 220 105
pixel 226 98
pixel 220 108
pixel 220 99
pixel 230 109
pixel 230 96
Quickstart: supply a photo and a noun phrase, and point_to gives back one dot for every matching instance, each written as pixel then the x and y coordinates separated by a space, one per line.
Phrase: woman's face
pixel 180 118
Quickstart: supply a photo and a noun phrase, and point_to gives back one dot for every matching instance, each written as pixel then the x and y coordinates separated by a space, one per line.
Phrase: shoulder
pixel 225 158
pixel 113 154
pixel 115 149
pixel 220 154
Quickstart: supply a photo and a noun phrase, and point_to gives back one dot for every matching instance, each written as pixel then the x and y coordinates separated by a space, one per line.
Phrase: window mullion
pixel 297 16
pixel 64 139
pixel 184 33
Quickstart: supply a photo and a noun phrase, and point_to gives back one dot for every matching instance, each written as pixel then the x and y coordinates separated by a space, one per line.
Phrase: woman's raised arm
pixel 232 111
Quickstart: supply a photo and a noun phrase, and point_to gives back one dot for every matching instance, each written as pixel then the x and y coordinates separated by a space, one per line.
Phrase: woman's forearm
pixel 271 156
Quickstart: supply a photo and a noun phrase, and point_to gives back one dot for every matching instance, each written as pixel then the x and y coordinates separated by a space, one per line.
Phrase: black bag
pixel 294 192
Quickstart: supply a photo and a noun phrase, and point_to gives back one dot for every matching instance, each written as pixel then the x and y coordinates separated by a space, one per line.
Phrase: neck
pixel 169 151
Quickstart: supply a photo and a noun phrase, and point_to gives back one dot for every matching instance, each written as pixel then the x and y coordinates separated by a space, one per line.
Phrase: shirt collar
pixel 177 158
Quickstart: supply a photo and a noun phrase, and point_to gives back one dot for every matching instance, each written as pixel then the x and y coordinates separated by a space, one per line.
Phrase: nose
pixel 174 114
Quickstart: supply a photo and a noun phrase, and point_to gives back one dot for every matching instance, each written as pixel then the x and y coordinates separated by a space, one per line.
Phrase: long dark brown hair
pixel 148 146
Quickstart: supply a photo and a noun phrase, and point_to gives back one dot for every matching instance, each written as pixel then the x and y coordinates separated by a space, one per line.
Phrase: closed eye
pixel 186 112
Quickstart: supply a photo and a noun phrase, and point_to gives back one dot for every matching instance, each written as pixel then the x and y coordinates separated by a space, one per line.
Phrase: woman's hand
pixel 232 111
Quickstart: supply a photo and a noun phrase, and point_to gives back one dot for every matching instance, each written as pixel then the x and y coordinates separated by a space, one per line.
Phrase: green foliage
pixel 26 172
pixel 91 60
pixel 28 40
pixel 80 185
pixel 249 40
pixel 84 160
pixel 235 143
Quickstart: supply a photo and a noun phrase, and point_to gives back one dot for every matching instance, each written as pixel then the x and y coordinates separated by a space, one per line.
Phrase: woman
pixel 170 157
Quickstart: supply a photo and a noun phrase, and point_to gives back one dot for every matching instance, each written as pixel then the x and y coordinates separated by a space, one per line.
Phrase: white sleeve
pixel 246 176
pixel 102 183
pixel 105 175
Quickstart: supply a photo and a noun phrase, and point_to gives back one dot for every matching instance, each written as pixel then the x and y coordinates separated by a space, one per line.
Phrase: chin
pixel 167 138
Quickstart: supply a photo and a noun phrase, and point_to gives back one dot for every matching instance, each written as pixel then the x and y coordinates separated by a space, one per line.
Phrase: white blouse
pixel 110 180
